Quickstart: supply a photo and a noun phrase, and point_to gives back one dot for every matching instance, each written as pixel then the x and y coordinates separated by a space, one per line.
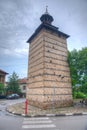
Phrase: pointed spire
pixel 46 10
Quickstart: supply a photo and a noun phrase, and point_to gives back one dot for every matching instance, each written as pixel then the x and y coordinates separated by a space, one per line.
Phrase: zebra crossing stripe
pixel 37 122
pixel 36 118
pixel 39 126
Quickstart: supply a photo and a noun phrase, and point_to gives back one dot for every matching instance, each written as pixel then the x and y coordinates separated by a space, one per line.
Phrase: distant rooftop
pixel 23 80
pixel 1 71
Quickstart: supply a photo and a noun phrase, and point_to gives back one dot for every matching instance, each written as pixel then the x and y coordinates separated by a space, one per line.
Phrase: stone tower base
pixel 50 105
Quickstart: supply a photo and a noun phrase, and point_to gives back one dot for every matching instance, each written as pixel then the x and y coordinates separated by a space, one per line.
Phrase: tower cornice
pixel 49 27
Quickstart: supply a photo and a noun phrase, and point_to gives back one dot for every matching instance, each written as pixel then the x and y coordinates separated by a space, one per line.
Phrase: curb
pixel 48 115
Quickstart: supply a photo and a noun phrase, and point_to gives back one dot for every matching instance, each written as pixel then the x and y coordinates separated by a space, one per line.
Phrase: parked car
pixel 2 96
pixel 13 96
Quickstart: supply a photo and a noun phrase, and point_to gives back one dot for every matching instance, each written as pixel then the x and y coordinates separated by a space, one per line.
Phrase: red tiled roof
pixel 24 80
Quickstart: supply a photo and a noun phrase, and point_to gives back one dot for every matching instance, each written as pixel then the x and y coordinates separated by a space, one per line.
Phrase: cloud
pixel 13 19
pixel 16 52
pixel 20 18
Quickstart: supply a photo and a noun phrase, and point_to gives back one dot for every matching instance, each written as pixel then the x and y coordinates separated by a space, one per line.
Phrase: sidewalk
pixel 76 109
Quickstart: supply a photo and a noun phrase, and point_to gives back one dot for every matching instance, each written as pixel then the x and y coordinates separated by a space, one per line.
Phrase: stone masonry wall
pixel 49 81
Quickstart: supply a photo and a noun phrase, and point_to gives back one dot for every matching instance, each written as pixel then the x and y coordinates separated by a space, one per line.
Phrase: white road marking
pixel 36 118
pixel 36 122
pixel 39 126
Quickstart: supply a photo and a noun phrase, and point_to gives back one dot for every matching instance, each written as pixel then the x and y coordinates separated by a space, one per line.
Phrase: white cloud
pixel 20 18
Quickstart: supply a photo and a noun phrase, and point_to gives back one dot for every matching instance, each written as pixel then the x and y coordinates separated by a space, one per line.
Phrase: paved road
pixel 43 123
pixel 12 122
pixel 71 122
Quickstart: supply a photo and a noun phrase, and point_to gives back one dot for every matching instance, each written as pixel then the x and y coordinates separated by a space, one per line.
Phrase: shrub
pixel 74 95
pixel 80 95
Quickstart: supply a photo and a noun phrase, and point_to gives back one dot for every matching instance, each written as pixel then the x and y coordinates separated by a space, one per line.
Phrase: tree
pixel 73 63
pixel 83 69
pixel 83 61
pixel 2 89
pixel 78 69
pixel 13 86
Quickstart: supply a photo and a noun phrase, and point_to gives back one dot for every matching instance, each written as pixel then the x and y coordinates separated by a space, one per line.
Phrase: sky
pixel 20 18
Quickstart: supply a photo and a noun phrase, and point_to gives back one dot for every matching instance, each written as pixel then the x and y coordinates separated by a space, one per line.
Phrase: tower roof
pixel 46 17
pixel 46 20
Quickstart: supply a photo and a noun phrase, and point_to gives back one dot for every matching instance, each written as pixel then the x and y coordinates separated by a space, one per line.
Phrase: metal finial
pixel 46 9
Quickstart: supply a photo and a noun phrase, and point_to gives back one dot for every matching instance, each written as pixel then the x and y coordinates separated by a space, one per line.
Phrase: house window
pixel 24 87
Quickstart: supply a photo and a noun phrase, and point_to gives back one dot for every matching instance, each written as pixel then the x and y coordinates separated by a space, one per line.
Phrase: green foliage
pixel 83 61
pixel 80 95
pixel 83 88
pixel 74 92
pixel 2 89
pixel 13 86
pixel 78 70
pixel 72 59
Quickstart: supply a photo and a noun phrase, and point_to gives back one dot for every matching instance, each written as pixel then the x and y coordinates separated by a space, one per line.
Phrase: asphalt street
pixel 14 122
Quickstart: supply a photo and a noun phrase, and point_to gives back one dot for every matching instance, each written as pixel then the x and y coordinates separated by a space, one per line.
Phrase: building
pixel 2 76
pixel 23 84
pixel 49 82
